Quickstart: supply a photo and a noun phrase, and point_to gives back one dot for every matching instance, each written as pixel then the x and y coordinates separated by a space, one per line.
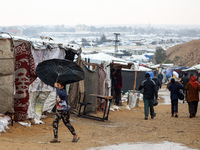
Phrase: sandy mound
pixel 186 54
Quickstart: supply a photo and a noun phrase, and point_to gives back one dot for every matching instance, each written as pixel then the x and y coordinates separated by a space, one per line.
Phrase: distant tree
pixel 160 55
pixel 85 42
pixel 73 42
pixel 103 39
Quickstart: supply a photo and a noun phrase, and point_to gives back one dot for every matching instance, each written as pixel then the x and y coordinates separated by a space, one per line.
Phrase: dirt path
pixel 123 126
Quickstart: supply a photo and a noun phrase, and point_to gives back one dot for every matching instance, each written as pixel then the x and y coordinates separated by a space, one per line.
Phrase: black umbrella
pixel 53 70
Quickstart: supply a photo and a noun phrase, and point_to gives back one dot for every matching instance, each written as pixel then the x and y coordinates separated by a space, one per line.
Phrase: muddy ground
pixel 122 126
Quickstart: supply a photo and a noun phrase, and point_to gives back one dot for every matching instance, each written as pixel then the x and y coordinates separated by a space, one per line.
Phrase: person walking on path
pixel 148 95
pixel 62 113
pixel 193 89
pixel 118 87
pixel 184 81
pixel 173 88
pixel 158 86
pixel 160 78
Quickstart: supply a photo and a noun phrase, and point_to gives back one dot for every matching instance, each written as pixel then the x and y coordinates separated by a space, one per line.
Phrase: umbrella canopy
pixel 53 70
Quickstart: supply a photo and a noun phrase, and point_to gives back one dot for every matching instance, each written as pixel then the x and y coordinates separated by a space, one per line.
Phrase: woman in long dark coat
pixel 193 89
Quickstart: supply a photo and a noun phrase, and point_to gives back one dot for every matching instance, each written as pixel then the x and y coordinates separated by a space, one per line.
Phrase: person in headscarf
pixel 193 89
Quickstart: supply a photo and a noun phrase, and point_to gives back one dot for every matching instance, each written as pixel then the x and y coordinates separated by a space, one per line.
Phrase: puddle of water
pixel 165 94
pixel 145 146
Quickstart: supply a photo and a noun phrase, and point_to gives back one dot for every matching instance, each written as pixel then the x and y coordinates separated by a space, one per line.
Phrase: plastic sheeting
pixel 50 102
pixel 128 78
pixel 4 122
pixel 91 87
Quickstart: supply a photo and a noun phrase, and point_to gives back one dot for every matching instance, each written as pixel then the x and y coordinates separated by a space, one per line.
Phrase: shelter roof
pixel 195 67
pixel 102 57
pixel 41 43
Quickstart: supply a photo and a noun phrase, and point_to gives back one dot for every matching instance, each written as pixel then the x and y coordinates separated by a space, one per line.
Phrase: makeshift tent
pixel 193 70
pixel 128 79
pixel 99 77
pixel 91 87
pixel 99 57
pixel 6 75
pixel 32 96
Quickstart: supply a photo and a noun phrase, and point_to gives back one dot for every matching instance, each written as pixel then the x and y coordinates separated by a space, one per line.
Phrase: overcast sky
pixel 99 12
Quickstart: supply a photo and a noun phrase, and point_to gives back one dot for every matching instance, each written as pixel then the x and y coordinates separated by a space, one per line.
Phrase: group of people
pixel 191 89
pixel 189 85
pixel 150 86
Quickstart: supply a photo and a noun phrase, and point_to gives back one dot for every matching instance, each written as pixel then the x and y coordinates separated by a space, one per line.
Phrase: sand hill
pixel 187 54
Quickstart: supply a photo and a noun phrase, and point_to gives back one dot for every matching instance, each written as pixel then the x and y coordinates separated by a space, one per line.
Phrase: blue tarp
pixel 148 56
pixel 151 74
pixel 169 73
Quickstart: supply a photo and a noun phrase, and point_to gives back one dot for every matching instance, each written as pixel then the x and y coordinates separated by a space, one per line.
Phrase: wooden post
pixel 137 99
pixel 135 82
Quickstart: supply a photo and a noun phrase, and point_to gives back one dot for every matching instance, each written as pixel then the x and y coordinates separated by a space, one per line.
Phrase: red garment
pixel 118 85
pixel 194 82
pixel 24 76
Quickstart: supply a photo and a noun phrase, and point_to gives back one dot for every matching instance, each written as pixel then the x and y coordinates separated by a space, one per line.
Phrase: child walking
pixel 62 113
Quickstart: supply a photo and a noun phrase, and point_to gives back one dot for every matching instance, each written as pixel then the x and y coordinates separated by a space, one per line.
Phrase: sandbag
pixel 132 99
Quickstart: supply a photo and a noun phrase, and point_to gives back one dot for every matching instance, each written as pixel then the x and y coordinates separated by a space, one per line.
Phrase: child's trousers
pixel 65 118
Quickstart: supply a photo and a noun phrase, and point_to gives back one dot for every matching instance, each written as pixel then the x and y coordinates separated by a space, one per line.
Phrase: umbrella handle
pixel 56 95
pixel 56 104
pixel 57 79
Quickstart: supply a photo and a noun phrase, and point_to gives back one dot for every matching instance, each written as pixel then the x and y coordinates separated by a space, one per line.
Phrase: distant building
pixel 81 28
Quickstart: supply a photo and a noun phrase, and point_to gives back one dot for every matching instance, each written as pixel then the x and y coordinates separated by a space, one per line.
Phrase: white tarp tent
pixel 193 68
pixel 99 57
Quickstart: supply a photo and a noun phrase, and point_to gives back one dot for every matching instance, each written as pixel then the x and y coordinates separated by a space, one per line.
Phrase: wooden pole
pixel 135 82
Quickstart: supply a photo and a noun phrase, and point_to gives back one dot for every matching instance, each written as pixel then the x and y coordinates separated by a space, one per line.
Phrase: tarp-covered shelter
pixel 128 78
pixel 97 72
pixel 21 91
pixel 6 75
pixel 193 70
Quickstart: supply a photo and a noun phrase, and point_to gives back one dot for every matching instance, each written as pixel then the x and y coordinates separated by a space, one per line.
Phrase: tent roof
pixel 41 43
pixel 154 66
pixel 195 67
pixel 141 68
pixel 103 57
